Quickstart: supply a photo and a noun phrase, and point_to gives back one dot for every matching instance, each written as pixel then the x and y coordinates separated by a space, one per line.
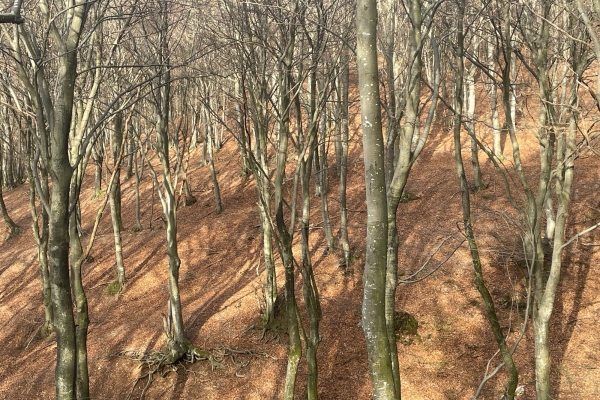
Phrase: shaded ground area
pixel 222 270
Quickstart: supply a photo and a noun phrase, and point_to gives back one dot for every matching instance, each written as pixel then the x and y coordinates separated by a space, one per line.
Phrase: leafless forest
pixel 299 199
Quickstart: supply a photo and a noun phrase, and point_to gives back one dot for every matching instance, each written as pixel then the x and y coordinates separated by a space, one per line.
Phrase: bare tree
pixel 374 278
pixel 459 120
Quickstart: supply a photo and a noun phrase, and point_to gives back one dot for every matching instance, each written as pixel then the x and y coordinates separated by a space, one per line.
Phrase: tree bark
pixel 343 163
pixel 466 208
pixel 374 277
pixel 14 228
pixel 115 204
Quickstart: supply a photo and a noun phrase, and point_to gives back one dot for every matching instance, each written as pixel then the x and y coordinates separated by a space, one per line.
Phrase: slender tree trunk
pixel 496 132
pixel 9 181
pixel 245 169
pixel 477 177
pixel 40 233
pixel 343 164
pixel 130 156
pixel 115 205
pixel 338 121
pixel 177 343
pixel 564 173
pixel 323 176
pixel 263 187
pixel 82 318
pixel 137 174
pixel 98 157
pixel 374 277
pixel 310 291
pixel 466 208
pixel 213 173
pixel 14 228
pixel 285 236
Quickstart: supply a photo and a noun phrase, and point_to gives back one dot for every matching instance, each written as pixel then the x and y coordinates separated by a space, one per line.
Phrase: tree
pixel 61 172
pixel 14 228
pixel 374 277
pixel 466 201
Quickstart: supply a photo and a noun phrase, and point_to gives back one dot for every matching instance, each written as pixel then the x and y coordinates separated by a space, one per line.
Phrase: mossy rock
pixel 406 327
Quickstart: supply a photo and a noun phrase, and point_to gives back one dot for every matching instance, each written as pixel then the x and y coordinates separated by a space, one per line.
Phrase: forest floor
pixel 222 272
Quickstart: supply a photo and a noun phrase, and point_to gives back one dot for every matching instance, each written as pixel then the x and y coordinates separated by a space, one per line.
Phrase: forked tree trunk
pixel 285 235
pixel 61 173
pixel 564 172
pixel 310 290
pixel 252 91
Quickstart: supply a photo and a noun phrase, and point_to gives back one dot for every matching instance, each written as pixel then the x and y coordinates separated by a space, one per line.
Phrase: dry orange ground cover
pixel 220 259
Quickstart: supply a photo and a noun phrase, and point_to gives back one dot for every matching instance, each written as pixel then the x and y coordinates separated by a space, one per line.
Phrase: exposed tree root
pixel 163 362
pixel 159 363
pixel 270 330
pixel 115 287
pixel 14 232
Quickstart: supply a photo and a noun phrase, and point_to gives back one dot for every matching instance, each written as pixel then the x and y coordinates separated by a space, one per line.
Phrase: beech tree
pixel 57 110
pixel 6 125
pixel 278 77
pixel 374 278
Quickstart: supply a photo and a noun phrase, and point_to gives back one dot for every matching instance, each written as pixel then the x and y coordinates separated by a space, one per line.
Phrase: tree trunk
pixel 343 164
pixel 323 174
pixel 466 208
pixel 213 172
pixel 137 174
pixel 14 228
pixel 9 181
pixel 285 235
pixel 82 318
pixel 58 260
pixel 310 291
pixel 178 345
pixel 115 205
pixel 477 177
pixel 61 173
pixel 98 157
pixel 496 132
pixel 40 234
pixel 374 277
pixel 564 172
